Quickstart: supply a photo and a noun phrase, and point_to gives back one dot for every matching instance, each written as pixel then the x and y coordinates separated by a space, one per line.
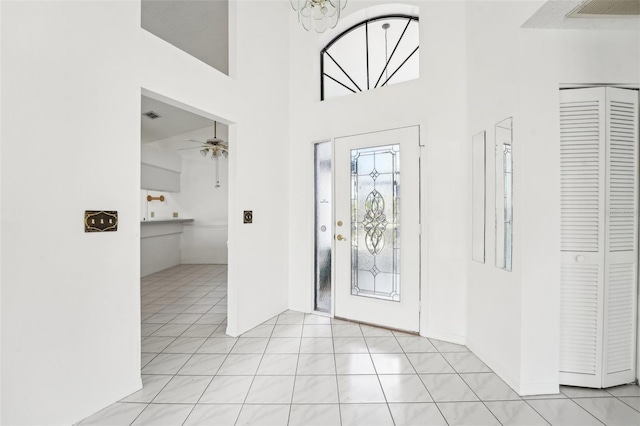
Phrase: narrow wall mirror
pixel 478 170
pixel 504 193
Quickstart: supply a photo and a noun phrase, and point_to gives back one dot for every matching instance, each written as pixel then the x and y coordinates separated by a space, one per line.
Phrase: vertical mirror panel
pixel 323 230
pixel 478 169
pixel 375 232
pixel 504 193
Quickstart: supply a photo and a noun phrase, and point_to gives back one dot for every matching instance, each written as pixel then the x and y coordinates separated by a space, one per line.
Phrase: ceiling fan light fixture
pixel 216 146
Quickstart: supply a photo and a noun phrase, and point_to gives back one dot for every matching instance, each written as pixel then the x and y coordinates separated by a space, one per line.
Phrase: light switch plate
pixel 100 221
pixel 248 216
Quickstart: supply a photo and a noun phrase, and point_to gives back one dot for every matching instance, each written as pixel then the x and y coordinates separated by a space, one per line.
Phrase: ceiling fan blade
pixel 195 141
pixel 194 147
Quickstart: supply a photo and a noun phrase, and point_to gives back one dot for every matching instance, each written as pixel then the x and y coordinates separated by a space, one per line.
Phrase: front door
pixel 377 247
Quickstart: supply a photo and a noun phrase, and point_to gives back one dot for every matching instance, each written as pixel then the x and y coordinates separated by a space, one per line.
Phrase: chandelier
pixel 318 14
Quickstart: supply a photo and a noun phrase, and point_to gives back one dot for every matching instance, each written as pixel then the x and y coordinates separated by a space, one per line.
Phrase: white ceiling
pixel 553 15
pixel 198 27
pixel 173 121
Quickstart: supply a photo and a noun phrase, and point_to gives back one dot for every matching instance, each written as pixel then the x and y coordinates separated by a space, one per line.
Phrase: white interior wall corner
pixel 1 282
pixel 576 57
pixel 303 89
pixel 494 296
pixel 443 41
pixel 261 178
pixel 539 213
pixel 232 227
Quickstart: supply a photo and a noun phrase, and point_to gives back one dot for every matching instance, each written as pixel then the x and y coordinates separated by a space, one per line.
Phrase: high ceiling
pixel 198 27
pixel 173 121
pixel 554 15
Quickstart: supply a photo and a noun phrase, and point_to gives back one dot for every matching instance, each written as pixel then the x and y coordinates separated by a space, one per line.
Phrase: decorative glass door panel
pixel 376 271
pixel 323 235
pixel 375 197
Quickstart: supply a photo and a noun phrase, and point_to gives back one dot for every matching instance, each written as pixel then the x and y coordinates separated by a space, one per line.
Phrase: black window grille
pixel 375 53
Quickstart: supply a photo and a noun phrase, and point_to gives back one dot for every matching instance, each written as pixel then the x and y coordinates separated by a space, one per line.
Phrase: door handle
pixel 340 237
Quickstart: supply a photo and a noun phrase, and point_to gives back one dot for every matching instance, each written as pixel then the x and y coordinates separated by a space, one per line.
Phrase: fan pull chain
pixel 217 171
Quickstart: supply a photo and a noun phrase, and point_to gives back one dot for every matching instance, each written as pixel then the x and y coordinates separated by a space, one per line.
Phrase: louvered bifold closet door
pixel 599 236
pixel 582 194
pixel 620 295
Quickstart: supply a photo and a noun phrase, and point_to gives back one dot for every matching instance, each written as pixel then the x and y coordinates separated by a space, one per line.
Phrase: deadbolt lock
pixel 339 223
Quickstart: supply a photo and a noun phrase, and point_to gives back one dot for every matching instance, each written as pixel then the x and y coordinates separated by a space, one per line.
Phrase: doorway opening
pixel 184 200
pixel 184 187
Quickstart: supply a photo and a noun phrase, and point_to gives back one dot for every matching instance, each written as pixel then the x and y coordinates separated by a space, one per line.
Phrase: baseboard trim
pixel 541 388
pixel 447 337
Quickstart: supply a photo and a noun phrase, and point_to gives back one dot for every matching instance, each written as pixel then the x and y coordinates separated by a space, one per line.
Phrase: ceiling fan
pixel 216 146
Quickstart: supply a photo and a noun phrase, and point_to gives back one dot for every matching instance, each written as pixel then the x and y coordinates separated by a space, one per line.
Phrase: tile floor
pixel 298 369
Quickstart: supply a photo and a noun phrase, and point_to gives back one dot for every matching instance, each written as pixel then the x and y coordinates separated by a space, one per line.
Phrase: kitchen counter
pixel 173 220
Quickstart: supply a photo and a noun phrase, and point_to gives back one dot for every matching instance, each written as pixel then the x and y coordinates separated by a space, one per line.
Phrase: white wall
pixel 160 170
pixel 494 295
pixel 71 83
pixel 205 240
pixel 435 102
pixel 70 140
pixel 549 59
pixel 1 80
pixel 513 322
pixel 259 164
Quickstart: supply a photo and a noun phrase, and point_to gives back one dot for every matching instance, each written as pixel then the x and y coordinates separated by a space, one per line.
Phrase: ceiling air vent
pixel 151 114
pixel 596 8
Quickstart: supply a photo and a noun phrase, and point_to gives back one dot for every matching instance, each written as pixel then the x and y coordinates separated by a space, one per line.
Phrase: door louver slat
pixel 579 159
pixel 620 321
pixel 578 320
pixel 622 183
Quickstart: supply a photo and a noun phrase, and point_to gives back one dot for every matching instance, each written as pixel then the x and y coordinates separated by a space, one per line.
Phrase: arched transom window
pixel 375 53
